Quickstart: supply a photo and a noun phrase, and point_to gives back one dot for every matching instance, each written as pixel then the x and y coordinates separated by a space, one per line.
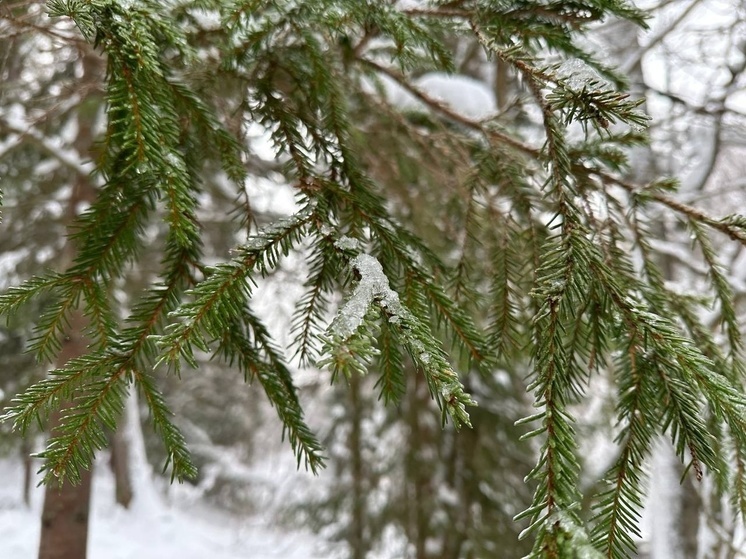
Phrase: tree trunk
pixel 120 459
pixel 502 84
pixel 64 518
pixel 28 472
pixel 420 465
pixel 120 464
pixel 357 537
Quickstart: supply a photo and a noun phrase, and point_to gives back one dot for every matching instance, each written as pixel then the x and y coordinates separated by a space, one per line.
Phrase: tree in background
pixel 689 68
pixel 542 259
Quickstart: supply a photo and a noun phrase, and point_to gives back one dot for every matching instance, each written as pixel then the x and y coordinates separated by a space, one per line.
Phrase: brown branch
pixel 449 113
pixel 490 133
pixel 449 13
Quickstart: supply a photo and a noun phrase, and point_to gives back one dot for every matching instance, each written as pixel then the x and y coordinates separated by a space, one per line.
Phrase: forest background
pixel 452 151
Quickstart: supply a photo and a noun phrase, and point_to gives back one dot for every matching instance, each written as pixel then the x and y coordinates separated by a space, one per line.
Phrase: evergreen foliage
pixel 545 255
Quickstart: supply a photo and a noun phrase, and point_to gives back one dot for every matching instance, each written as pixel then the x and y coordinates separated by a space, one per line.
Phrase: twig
pixel 482 127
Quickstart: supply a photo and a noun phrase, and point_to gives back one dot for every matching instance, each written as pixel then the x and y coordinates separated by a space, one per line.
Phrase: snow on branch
pixel 373 286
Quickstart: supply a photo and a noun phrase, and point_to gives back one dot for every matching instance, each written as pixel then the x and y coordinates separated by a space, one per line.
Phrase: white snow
pixel 579 75
pixel 149 530
pixel 9 262
pixel 467 96
pixel 154 527
pixel 14 119
pixel 662 507
pixel 347 243
pixel 207 19
pixel 373 285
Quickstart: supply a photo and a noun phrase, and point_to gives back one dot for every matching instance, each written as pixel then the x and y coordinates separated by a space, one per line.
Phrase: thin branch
pixel 445 110
pixel 68 157
pixel 483 127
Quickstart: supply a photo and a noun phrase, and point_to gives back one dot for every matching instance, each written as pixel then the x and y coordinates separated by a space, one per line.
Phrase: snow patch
pixel 347 243
pixel 154 531
pixel 466 96
pixel 373 286
pixel 579 75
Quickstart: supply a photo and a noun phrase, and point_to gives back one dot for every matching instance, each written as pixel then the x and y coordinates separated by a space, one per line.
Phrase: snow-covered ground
pixel 153 528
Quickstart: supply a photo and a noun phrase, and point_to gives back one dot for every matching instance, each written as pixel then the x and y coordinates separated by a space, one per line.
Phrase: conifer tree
pixel 549 260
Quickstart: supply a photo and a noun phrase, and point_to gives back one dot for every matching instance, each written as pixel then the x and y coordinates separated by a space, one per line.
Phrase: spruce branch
pixel 586 279
pixel 123 354
pixel 503 326
pixel 52 324
pixel 311 308
pixel 348 344
pixel 618 508
pixel 97 405
pixel 178 457
pixel 17 296
pixel 728 226
pixel 262 361
pixel 391 383
pixel 721 287
pixel 559 290
pixel 221 295
pixel 39 399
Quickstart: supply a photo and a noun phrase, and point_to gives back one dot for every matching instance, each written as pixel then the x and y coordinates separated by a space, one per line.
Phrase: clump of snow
pixel 466 96
pixel 373 286
pixel 267 196
pixel 411 4
pixel 260 141
pixel 579 75
pixel 347 243
pixel 207 19
pixel 15 116
pixel 175 160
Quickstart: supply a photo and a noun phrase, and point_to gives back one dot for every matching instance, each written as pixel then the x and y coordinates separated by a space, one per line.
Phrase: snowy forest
pixel 372 279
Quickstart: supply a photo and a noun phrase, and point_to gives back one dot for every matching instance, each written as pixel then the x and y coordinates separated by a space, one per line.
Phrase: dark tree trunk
pixel 419 465
pixel 355 443
pixel 64 518
pixel 28 471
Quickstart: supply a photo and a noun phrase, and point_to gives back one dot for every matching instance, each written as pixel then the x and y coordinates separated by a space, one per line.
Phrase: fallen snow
pixel 153 528
pixel 470 97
